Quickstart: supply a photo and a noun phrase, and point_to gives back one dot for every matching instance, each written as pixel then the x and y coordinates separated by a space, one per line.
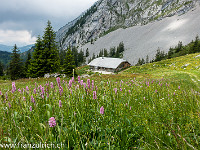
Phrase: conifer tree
pixel 51 61
pixel 93 56
pixel 80 57
pixel 1 69
pixel 87 53
pixel 120 48
pixel 112 52
pixel 62 55
pixel 16 65
pixel 195 48
pixel 75 55
pixel 37 64
pixel 69 64
pixel 147 59
pixel 105 53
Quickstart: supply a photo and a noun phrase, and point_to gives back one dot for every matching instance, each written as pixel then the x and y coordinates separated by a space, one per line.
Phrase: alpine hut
pixel 108 64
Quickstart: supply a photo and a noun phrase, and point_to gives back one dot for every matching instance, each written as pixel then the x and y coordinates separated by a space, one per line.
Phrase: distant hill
pixel 9 48
pixel 5 57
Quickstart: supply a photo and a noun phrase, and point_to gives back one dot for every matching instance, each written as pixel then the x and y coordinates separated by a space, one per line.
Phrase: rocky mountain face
pixel 106 16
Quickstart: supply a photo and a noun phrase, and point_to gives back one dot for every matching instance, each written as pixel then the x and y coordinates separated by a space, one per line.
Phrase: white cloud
pixel 18 17
pixel 21 38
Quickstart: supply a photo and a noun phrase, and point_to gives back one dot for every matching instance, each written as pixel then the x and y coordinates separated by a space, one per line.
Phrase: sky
pixel 21 21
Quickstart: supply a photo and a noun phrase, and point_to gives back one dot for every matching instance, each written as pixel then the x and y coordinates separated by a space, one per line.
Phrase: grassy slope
pixel 184 68
pixel 146 111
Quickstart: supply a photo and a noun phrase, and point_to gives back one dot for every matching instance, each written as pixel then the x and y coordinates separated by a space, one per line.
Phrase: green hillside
pixel 184 67
pixel 153 106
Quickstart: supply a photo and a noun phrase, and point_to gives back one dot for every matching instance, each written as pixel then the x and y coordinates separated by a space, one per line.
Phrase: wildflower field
pixel 122 111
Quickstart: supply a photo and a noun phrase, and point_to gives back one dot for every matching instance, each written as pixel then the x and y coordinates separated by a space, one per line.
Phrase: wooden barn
pixel 108 64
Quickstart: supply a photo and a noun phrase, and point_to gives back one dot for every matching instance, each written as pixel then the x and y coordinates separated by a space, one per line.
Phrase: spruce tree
pixel 112 52
pixel 16 65
pixel 51 61
pixel 105 53
pixel 1 69
pixel 93 56
pixel 37 64
pixel 120 48
pixel 87 53
pixel 80 57
pixel 69 64
pixel 75 55
pixel 147 59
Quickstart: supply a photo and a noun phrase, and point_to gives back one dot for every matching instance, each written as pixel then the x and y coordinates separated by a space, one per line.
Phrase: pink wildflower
pixel 0 93
pixel 96 88
pixel 58 80
pixel 102 110
pixel 13 87
pixel 30 108
pixel 61 90
pixel 72 79
pixel 94 95
pixel 88 83
pixel 34 91
pixel 70 83
pixel 51 84
pixel 179 87
pixel 32 99
pixel 60 103
pixel 24 98
pixel 115 89
pixel 27 88
pixel 79 79
pixel 52 122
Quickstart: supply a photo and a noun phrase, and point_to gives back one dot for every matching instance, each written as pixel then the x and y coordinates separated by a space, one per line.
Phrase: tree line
pixel 179 50
pixel 115 52
pixel 46 58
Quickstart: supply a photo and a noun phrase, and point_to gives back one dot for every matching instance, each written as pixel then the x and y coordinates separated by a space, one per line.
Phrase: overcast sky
pixel 21 21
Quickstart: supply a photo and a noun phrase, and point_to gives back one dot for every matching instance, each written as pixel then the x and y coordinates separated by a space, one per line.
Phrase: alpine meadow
pixel 122 75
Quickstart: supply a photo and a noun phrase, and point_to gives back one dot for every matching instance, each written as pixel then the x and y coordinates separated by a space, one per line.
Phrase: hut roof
pixel 106 62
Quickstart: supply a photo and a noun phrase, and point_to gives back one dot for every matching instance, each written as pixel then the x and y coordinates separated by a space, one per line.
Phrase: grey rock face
pixel 140 41
pixel 136 20
pixel 110 15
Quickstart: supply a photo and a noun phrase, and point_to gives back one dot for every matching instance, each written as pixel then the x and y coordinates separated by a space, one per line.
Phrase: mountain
pixel 25 48
pixel 6 48
pixel 5 56
pixel 9 48
pixel 143 26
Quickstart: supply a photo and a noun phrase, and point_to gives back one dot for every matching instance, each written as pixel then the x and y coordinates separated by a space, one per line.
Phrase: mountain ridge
pixel 108 15
pixel 140 41
pixel 9 48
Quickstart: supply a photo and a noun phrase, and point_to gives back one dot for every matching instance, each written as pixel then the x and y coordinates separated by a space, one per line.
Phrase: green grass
pixel 155 106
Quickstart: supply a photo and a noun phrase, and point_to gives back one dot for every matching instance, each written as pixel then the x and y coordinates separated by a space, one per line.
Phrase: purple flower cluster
pixel 102 110
pixel 13 87
pixel 52 122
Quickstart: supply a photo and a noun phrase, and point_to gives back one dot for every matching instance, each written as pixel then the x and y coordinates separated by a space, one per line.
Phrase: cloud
pixel 32 15
pixel 10 37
